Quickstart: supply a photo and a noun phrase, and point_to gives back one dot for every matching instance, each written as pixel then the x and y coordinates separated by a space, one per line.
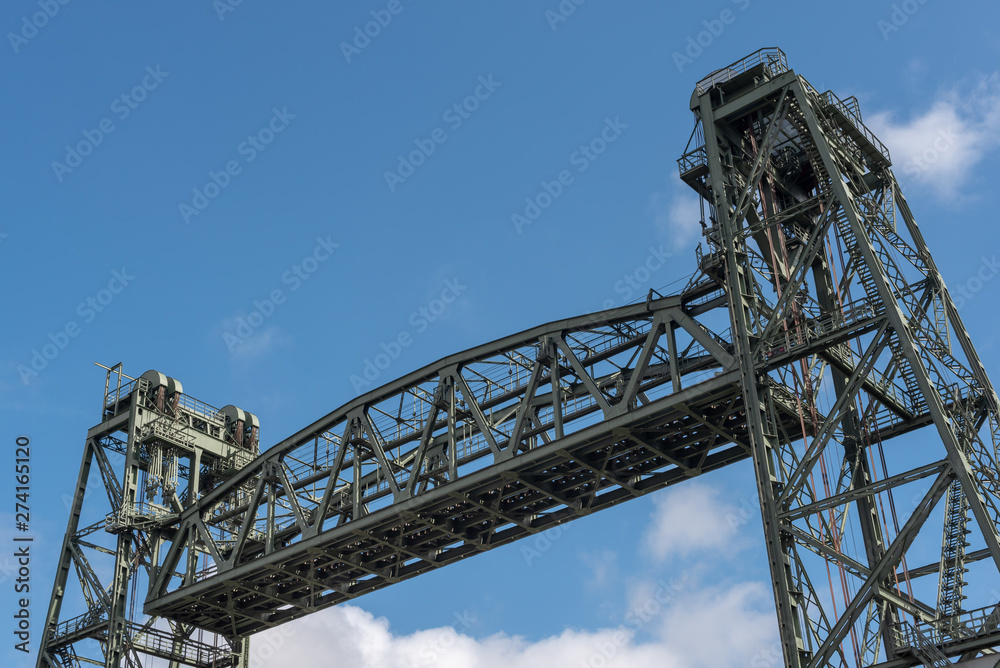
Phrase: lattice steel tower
pixel 817 340
pixel 156 450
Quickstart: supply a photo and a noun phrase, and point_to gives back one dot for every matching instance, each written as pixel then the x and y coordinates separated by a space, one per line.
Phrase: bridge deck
pixel 598 467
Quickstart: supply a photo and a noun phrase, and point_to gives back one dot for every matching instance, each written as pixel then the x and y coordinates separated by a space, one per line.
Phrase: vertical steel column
pixel 742 305
pixel 65 556
pixel 118 632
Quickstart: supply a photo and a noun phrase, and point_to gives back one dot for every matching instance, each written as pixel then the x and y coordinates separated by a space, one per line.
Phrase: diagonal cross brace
pixel 884 569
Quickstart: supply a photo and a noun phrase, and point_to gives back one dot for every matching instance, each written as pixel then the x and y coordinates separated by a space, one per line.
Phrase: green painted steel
pixel 817 339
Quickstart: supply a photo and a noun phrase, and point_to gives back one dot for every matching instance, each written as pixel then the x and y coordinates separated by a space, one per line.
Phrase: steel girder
pixel 819 341
pixel 468 454
pixel 811 236
pixel 108 546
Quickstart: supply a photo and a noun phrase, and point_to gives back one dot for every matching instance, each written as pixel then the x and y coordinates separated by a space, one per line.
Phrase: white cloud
pixel 677 621
pixel 246 342
pixel 677 213
pixel 693 518
pixel 603 566
pixel 940 148
pixel 735 626
pixel 683 633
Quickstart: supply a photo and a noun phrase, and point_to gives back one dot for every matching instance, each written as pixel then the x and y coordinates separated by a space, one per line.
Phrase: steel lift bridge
pixel 817 340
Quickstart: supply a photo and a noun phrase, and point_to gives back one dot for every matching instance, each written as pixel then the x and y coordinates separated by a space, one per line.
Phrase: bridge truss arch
pixel 817 340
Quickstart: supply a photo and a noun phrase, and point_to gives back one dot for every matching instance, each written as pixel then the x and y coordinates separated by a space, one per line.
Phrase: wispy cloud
pixel 676 213
pixel 691 518
pixel 941 147
pixel 254 344
pixel 603 567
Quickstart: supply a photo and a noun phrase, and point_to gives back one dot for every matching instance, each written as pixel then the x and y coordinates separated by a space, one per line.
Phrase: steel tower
pixel 816 340
pixel 834 294
pixel 156 451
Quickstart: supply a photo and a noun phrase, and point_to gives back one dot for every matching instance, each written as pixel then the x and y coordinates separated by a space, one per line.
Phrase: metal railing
pixel 92 618
pixel 772 58
pixel 235 461
pixel 192 405
pixel 119 392
pixel 139 515
pixel 157 642
pixel 852 112
pixel 692 160
pixel 942 632
pixel 167 430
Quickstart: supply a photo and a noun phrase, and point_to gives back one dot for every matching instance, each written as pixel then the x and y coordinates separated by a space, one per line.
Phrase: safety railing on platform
pixel 192 405
pixel 851 111
pixel 773 60
pixel 692 160
pixel 167 430
pixel 116 394
pixel 76 625
pixel 964 626
pixel 235 461
pixel 141 515
pixel 157 642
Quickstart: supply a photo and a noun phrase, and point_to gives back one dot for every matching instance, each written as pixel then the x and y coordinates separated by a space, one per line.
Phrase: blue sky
pixel 202 189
